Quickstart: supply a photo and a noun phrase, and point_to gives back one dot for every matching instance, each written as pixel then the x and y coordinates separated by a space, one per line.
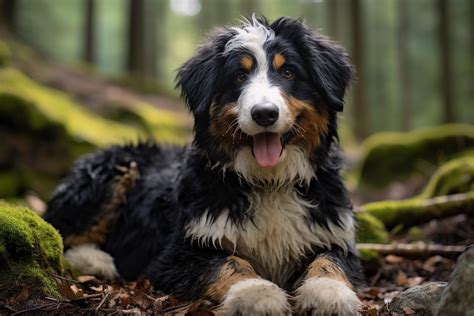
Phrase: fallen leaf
pixel 408 311
pixel 85 278
pixel 401 278
pixel 392 259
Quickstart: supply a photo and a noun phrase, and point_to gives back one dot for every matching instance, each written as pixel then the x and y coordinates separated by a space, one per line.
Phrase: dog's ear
pixel 329 64
pixel 197 77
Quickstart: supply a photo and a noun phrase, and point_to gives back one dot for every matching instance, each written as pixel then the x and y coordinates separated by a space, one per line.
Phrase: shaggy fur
pixel 250 212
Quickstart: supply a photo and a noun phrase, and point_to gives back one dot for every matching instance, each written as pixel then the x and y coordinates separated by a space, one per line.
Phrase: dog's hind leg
pixel 86 204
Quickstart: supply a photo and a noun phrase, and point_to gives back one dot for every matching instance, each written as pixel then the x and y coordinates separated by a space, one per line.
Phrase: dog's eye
pixel 288 74
pixel 241 78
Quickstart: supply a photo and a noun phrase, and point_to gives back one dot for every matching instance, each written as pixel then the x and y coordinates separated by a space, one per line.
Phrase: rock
pixel 458 297
pixel 390 157
pixel 31 251
pixel 421 299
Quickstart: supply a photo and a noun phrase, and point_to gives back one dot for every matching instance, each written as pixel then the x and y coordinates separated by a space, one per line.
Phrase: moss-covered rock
pixel 370 229
pixel 43 131
pixel 443 196
pixel 455 176
pixel 392 157
pixel 30 253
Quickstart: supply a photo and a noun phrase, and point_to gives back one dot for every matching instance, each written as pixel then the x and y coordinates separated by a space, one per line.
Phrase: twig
pixel 66 279
pixel 34 308
pixel 102 302
pixel 172 308
pixel 414 250
pixel 11 309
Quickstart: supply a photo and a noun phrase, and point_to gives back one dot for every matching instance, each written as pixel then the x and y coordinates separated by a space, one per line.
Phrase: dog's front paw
pixel 324 296
pixel 255 297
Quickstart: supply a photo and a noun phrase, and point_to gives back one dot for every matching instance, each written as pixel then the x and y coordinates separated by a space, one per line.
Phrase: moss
pixel 5 54
pixel 30 252
pixel 370 229
pixel 57 107
pixel 415 211
pixel 391 157
pixel 367 255
pixel 455 176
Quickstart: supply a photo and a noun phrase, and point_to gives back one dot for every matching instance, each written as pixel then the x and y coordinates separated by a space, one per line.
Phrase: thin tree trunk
pixel 333 18
pixel 361 119
pixel 248 7
pixel 471 49
pixel 446 81
pixel 136 33
pixel 89 32
pixel 7 15
pixel 404 64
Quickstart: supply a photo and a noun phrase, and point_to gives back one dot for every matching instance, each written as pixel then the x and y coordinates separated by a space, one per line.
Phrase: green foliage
pixel 391 157
pixel 30 252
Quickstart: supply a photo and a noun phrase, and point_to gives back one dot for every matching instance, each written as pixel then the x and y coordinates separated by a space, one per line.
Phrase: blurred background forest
pixel 77 75
pixel 415 59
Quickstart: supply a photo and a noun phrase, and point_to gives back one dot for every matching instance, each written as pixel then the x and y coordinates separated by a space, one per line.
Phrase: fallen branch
pixel 414 250
pixel 416 211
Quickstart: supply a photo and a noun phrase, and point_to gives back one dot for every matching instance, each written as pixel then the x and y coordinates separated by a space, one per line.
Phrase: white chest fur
pixel 278 235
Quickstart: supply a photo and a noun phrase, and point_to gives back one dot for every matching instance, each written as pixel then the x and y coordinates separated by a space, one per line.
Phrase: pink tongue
pixel 267 149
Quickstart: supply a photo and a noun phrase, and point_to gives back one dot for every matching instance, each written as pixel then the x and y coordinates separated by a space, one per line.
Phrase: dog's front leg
pixel 326 290
pixel 242 292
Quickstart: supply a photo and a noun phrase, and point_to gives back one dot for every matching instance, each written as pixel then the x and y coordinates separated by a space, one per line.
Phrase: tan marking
pixel 323 267
pixel 246 62
pixel 278 61
pixel 224 127
pixel 312 126
pixel 233 271
pixel 120 187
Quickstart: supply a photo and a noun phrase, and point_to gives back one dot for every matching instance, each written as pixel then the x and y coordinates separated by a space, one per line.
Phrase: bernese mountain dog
pixel 253 215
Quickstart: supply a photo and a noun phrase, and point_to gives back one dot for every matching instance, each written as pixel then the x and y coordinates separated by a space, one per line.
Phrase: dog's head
pixel 260 90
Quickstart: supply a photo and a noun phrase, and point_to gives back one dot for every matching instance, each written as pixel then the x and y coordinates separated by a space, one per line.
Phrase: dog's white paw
pixel 324 296
pixel 89 259
pixel 255 297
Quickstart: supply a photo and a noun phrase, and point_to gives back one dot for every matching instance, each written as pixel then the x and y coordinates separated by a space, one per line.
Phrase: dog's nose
pixel 264 114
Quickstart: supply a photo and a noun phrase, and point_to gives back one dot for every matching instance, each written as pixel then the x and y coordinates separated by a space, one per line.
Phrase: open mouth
pixel 267 148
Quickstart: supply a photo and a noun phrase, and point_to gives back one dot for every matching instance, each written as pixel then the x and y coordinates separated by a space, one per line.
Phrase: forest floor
pixel 385 277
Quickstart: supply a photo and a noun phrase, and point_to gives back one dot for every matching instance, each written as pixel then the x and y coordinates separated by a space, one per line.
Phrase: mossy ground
pixel 44 131
pixel 30 252
pixel 392 157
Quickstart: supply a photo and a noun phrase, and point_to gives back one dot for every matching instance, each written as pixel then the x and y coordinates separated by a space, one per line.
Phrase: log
pixel 417 211
pixel 418 250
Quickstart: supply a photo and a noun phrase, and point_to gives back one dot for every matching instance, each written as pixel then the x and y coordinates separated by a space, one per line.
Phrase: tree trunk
pixel 136 38
pixel 7 15
pixel 89 32
pixel 471 49
pixel 248 7
pixel 361 119
pixel 333 18
pixel 446 81
pixel 404 64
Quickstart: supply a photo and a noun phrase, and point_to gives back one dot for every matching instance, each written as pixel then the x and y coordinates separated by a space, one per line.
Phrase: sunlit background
pixel 399 53
pixel 116 60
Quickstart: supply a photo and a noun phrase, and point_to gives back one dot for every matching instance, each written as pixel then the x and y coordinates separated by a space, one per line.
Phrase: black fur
pixel 177 185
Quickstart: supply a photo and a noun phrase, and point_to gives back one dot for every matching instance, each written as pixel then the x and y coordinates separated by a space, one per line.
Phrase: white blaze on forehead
pixel 259 90
pixel 252 35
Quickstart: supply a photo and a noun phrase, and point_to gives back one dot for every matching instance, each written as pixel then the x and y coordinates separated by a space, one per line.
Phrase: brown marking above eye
pixel 246 62
pixel 278 61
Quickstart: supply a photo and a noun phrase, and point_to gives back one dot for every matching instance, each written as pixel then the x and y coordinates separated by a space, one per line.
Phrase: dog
pixel 254 210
